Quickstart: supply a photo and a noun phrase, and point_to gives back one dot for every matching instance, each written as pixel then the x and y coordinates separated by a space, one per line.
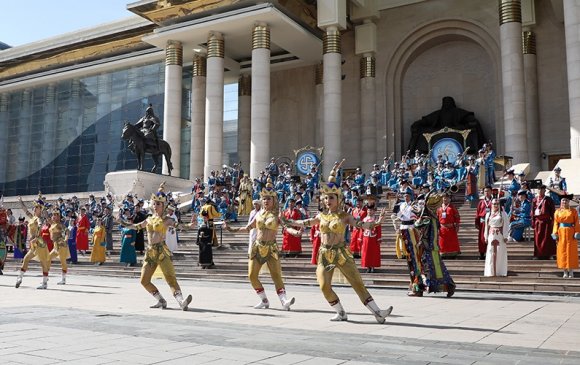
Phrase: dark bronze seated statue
pixel 448 116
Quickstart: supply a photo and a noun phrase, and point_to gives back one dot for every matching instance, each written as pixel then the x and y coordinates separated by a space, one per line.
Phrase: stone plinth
pixel 142 183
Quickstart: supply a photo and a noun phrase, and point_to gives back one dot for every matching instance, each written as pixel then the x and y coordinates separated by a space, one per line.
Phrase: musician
pixel 449 220
pixel 557 182
pixel 566 232
pixel 371 243
pixel 489 163
pixel 404 188
pixel 292 238
pixel 281 187
pixel 496 230
pixel 245 196
pixel 272 169
pixel 448 176
pixel 521 217
pixel 483 208
pixel 359 177
pixel 529 195
pixel 471 192
pixel 481 170
pixel 543 209
pixel 359 213
pixel 417 159
pixel 514 185
pixel 420 174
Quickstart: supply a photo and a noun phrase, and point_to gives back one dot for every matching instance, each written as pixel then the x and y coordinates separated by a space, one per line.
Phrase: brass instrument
pixel 556 191
pixel 463 154
pixel 452 189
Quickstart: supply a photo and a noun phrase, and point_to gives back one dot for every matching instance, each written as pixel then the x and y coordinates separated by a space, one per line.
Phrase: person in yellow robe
pixel 245 206
pixel 58 235
pixel 566 233
pixel 98 254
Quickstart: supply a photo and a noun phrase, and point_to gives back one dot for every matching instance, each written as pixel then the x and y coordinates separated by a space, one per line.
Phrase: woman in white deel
pixel 496 233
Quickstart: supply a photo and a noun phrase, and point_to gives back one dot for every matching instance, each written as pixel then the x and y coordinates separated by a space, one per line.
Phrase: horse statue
pixel 140 145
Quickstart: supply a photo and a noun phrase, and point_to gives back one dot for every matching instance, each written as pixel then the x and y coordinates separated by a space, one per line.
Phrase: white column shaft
pixel 572 29
pixel 533 123
pixel 172 116
pixel 318 142
pixel 196 158
pixel 214 115
pixel 244 129
pixel 332 110
pixel 368 122
pixel 514 102
pixel 260 130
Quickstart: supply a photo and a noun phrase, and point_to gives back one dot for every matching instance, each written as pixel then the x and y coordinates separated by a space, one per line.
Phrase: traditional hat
pixel 557 168
pixel 522 192
pixel 268 190
pixel 160 195
pixel 39 202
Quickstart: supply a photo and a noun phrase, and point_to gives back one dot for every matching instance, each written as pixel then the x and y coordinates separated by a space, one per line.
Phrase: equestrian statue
pixel 142 138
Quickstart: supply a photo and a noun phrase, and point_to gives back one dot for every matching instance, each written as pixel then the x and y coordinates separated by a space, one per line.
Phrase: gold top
pixel 332 223
pixel 174 53
pixel 215 46
pixel 156 224
pixel 245 85
pixel 267 220
pixel 510 11
pixel 331 42
pixel 528 42
pixel 199 65
pixel 261 36
pixel 318 74
pixel 367 67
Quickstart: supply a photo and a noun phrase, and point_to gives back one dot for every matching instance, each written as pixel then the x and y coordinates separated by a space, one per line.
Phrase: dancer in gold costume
pixel 38 247
pixel 58 235
pixel 334 252
pixel 265 249
pixel 157 253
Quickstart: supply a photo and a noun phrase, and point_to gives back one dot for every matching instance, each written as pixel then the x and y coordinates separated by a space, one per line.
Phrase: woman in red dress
pixel 83 226
pixel 371 243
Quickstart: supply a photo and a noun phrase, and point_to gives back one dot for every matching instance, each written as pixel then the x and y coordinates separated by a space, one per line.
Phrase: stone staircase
pixel 525 275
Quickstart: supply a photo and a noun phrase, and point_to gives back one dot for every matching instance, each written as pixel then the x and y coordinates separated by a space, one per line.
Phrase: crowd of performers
pixel 347 225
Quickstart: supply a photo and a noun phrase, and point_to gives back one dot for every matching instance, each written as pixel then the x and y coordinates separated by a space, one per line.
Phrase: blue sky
pixel 26 21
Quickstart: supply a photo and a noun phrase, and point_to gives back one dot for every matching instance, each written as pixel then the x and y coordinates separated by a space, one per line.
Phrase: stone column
pixel 260 125
pixel 331 48
pixel 4 130
pixel 531 81
pixel 512 65
pixel 172 104
pixel 198 85
pixel 244 119
pixel 319 95
pixel 367 112
pixel 214 104
pixel 572 25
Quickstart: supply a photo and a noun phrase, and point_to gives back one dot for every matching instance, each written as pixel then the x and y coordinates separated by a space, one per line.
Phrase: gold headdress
pixel 268 190
pixel 39 202
pixel 56 211
pixel 160 195
pixel 331 187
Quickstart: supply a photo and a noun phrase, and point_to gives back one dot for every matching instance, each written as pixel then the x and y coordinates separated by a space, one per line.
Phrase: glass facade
pixel 66 136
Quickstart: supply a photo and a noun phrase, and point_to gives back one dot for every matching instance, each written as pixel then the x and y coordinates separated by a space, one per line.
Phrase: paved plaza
pixel 103 320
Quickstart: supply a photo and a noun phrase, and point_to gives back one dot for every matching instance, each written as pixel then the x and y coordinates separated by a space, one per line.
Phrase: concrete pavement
pixel 98 320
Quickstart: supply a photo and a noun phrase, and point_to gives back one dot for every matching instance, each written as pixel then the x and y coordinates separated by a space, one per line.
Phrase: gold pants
pixel 347 267
pixel 37 248
pixel 265 253
pixel 62 252
pixel 158 255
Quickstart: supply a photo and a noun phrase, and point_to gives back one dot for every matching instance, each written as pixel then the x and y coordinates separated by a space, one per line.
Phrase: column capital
pixel 260 36
pixel 199 65
pixel 173 53
pixel 528 42
pixel 510 11
pixel 331 41
pixel 215 45
pixel 367 66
